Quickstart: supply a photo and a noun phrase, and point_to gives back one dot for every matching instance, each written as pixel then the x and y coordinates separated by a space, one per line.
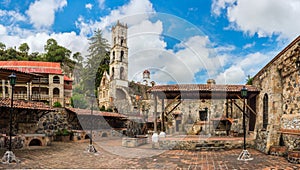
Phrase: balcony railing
pixel 41 80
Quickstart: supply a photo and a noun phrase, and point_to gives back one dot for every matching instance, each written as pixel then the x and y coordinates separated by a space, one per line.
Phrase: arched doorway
pixel 35 142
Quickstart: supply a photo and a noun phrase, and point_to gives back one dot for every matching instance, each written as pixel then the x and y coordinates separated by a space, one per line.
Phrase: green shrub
pixel 57 104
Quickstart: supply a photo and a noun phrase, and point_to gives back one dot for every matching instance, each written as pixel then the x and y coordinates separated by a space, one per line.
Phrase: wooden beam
pixel 248 106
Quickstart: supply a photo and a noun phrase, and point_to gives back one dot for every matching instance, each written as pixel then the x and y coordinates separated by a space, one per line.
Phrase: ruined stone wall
pixel 52 122
pixel 280 81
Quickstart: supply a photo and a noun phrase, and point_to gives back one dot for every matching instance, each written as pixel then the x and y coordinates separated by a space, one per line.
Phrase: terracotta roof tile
pixel 66 78
pixel 22 104
pixel 201 87
pixel 96 112
pixel 32 66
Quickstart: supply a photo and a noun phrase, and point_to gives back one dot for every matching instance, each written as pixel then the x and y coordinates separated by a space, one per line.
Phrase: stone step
pixel 209 148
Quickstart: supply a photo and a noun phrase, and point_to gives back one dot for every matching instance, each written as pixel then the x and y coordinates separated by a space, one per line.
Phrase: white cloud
pixel 2 30
pixel 250 65
pixel 250 45
pixel 233 75
pixel 262 17
pixel 101 4
pixel 11 17
pixel 132 13
pixel 42 12
pixel 88 6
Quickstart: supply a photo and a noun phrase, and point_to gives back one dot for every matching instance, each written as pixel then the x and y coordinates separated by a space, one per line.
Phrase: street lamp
pixel 244 155
pixel 91 147
pixel 9 156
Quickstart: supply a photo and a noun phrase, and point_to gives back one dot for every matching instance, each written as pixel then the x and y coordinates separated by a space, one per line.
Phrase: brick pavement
pixel 72 155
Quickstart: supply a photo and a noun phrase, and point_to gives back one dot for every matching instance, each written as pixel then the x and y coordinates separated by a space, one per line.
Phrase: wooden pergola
pixel 178 92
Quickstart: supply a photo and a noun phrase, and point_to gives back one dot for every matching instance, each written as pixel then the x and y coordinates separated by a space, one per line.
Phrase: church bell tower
pixel 119 56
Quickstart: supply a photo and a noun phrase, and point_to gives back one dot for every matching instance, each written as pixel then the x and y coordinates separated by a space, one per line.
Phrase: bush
pixel 63 132
pixel 57 104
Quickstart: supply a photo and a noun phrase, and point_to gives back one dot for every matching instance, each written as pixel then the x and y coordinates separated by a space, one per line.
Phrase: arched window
pixel 112 73
pixel 122 73
pixel 56 92
pixel 115 40
pixel 56 80
pixel 122 56
pixel 265 111
pixel 113 56
pixel 122 41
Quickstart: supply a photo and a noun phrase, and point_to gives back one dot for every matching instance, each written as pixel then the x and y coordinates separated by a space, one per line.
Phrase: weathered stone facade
pixel 279 96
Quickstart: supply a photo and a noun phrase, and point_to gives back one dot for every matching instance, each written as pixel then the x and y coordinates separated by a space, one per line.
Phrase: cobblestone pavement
pixel 72 155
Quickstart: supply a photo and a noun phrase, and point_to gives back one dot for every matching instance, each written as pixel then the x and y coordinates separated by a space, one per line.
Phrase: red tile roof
pixel 22 104
pixel 66 78
pixel 32 66
pixel 95 112
pixel 201 87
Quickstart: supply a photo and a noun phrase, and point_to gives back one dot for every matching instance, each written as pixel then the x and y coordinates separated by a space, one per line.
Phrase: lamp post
pixel 9 156
pixel 91 147
pixel 244 155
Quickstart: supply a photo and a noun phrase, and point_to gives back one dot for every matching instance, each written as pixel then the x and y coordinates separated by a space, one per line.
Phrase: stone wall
pixel 290 128
pixel 261 141
pixel 52 122
pixel 279 80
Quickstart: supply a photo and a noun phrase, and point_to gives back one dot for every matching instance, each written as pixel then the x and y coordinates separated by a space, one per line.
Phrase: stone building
pixel 134 100
pixel 48 85
pixel 278 119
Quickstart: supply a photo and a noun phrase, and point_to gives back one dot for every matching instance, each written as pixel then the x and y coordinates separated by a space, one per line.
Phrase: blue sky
pixel 178 41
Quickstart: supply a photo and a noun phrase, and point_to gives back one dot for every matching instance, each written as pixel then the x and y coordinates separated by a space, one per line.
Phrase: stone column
pixel 9 89
pixel 3 89
pixel 155 113
pixel 162 115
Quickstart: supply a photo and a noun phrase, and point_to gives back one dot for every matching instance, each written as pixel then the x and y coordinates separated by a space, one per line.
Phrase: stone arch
pixel 122 56
pixel 122 73
pixel 35 142
pixel 114 56
pixel 112 72
pixel 56 80
pixel 56 92
pixel 87 136
pixel 265 111
pixel 120 94
pixel 104 135
pixel 122 41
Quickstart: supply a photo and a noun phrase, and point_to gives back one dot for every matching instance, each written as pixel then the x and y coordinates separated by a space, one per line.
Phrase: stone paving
pixel 110 155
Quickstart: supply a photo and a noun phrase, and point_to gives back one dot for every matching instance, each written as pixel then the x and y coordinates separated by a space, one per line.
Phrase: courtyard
pixel 73 155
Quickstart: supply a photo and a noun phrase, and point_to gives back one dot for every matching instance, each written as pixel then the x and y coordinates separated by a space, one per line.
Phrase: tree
pixel 2 46
pixel 24 48
pixel 98 52
pixel 78 101
pixel 249 80
pixel 57 53
pixel 78 67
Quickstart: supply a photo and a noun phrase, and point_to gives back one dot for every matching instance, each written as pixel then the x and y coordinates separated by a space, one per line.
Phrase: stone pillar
pixel 163 115
pixel 3 89
pixel 155 113
pixel 9 89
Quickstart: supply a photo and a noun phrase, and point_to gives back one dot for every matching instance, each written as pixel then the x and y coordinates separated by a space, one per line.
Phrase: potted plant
pixel 63 135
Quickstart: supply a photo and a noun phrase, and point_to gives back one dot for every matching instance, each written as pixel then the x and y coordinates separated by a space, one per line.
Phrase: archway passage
pixel 104 135
pixel 87 136
pixel 35 142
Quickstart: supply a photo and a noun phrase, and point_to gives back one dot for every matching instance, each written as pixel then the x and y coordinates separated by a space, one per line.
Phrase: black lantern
pixel 12 79
pixel 244 92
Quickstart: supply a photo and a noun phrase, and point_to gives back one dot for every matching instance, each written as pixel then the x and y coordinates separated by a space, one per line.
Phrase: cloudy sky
pixel 178 41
